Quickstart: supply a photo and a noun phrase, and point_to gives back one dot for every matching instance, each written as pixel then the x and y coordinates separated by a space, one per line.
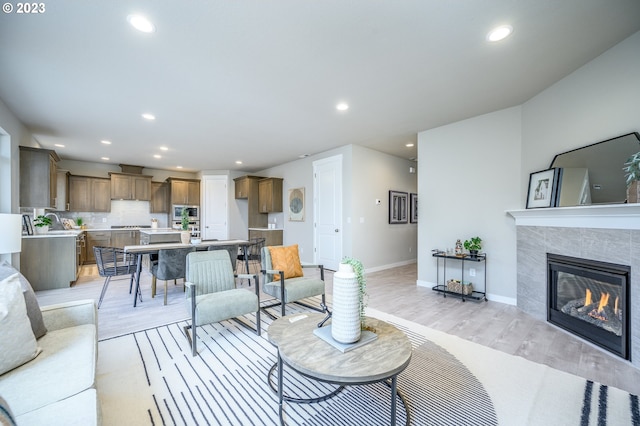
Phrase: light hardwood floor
pixel 496 325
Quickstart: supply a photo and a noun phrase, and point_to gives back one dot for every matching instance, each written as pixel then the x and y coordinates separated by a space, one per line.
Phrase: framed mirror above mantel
pixel 593 175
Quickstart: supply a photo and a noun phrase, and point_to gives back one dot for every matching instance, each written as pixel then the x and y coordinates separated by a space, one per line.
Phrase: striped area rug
pixel 150 378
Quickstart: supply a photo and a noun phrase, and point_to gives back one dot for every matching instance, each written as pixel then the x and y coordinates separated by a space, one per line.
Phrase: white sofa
pixel 58 386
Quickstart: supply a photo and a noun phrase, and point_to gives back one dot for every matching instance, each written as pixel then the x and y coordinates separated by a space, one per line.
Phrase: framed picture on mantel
pixel 543 188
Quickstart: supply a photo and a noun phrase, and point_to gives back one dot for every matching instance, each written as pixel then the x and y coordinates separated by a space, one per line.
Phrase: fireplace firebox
pixel 590 299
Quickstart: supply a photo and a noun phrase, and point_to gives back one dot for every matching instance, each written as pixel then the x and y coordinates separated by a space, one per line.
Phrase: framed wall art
pixel 413 207
pixel 296 205
pixel 398 207
pixel 543 188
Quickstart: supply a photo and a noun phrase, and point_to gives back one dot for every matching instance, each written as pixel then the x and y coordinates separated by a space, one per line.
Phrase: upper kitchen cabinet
pixel 89 194
pixel 245 185
pixel 270 195
pixel 159 197
pixel 247 188
pixel 62 196
pixel 38 177
pixel 184 191
pixel 125 186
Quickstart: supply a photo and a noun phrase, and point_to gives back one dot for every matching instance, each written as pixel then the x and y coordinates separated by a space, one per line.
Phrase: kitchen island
pixel 52 259
pixel 159 235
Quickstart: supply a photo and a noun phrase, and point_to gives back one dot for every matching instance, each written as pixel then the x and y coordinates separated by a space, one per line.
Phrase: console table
pixel 304 352
pixel 442 288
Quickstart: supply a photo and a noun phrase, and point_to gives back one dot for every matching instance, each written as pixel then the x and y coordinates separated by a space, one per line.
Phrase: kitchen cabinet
pixel 38 177
pixel 273 237
pixel 126 186
pixel 247 188
pixel 96 238
pixel 184 191
pixel 62 197
pixel 125 238
pixel 245 185
pixel 49 262
pixel 89 194
pixel 270 195
pixel 159 197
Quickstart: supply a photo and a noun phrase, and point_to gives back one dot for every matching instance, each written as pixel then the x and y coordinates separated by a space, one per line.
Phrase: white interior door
pixel 215 223
pixel 327 192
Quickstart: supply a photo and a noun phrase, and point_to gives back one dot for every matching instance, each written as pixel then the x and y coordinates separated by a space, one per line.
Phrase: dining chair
pixel 171 265
pixel 252 255
pixel 212 293
pixel 113 262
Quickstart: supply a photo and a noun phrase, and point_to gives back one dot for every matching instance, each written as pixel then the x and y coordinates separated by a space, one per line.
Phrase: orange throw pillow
pixel 286 259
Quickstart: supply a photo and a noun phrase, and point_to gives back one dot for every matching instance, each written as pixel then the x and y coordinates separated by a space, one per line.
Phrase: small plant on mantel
pixel 358 269
pixel 632 174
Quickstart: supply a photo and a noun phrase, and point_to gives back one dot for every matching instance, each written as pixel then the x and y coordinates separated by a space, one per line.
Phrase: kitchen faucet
pixel 57 218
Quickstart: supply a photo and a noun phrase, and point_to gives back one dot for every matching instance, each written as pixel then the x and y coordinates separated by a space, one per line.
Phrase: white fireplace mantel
pixel 609 216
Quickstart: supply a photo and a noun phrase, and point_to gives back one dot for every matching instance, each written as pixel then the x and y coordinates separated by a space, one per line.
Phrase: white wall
pixel 596 102
pixel 468 176
pixel 367 174
pixel 599 101
pixel 378 244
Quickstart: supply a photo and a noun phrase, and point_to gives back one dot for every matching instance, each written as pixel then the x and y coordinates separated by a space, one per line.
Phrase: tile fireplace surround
pixel 608 233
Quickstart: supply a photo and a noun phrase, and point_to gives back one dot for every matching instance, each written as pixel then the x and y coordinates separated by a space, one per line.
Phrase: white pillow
pixel 16 336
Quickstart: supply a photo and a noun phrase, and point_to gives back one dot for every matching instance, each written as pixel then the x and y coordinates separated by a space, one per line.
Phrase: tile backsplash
pixel 123 212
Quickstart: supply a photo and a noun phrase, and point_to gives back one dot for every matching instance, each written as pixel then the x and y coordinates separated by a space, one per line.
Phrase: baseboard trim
pixel 493 297
pixel 390 265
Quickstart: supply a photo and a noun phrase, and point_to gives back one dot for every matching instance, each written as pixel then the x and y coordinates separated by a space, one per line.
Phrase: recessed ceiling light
pixel 106 142
pixel 105 158
pixel 238 162
pixel 141 23
pixel 178 167
pixel 409 145
pixel 303 155
pixel 342 106
pixel 157 156
pixel 59 145
pixel 148 116
pixel 164 148
pixel 500 33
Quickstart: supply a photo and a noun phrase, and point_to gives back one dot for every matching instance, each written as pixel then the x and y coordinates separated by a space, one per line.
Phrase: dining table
pixel 142 249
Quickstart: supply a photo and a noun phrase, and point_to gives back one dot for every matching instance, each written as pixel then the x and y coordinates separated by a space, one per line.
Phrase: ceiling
pixel 257 81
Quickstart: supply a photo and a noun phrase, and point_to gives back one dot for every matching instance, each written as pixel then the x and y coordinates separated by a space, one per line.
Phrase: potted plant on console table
pixel 185 235
pixel 473 245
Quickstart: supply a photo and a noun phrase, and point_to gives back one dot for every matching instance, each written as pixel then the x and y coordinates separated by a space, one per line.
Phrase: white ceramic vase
pixel 42 229
pixel 345 319
pixel 185 237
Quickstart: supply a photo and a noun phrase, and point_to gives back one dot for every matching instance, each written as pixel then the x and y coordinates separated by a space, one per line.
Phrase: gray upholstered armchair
pixel 284 279
pixel 212 293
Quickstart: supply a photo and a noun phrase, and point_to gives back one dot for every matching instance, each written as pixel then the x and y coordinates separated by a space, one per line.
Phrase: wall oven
pixel 192 211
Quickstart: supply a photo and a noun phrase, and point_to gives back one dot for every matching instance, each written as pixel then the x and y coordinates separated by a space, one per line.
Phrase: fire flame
pixel 599 312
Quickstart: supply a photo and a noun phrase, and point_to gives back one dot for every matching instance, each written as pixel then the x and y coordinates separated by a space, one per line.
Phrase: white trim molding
pixel 610 216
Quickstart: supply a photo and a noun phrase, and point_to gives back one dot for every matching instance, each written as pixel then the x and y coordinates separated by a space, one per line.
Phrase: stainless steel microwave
pixel 192 211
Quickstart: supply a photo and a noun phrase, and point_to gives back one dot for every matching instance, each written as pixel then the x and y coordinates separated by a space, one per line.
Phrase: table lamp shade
pixel 10 233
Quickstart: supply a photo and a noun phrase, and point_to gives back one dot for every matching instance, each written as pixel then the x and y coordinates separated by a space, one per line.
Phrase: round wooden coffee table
pixel 300 349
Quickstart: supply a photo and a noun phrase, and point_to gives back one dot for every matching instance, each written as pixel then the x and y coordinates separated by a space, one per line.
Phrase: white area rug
pixel 150 378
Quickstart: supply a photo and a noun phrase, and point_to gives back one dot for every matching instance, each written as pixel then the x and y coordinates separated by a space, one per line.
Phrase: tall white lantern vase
pixel 345 319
